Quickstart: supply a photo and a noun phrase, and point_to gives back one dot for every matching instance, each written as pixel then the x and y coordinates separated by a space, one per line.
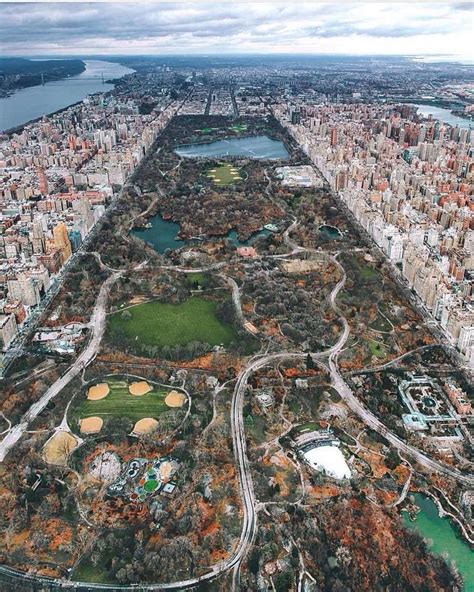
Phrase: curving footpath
pixel 97 324
pixel 249 519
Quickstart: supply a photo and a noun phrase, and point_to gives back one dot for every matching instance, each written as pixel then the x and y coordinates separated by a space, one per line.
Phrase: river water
pixel 443 115
pixel 36 101
pixel 443 539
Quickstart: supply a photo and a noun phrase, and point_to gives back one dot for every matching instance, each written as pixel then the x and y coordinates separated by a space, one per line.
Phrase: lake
pixel 29 103
pixel 443 539
pixel 443 115
pixel 234 237
pixel 258 147
pixel 161 235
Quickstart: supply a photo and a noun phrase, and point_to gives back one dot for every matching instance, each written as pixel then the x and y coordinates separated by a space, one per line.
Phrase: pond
pixel 443 538
pixel 234 237
pixel 161 234
pixel 257 147
pixel 329 232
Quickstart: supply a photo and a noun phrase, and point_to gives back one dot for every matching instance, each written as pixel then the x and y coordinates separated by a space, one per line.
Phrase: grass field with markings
pixel 120 403
pixel 224 174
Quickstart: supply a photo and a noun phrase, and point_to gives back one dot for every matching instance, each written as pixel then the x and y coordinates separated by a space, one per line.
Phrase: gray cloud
pixel 176 28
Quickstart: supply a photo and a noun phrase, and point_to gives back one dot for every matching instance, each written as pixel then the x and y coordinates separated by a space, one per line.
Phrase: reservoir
pixel 443 539
pixel 36 101
pixel 443 115
pixel 258 147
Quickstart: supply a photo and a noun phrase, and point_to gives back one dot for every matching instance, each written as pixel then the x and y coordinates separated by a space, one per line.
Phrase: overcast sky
pixel 67 28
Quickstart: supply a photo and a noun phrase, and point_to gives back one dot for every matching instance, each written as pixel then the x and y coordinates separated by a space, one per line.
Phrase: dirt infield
pixel 91 425
pixel 57 449
pixel 175 399
pixel 98 391
pixel 166 470
pixel 145 425
pixel 140 388
pixel 301 266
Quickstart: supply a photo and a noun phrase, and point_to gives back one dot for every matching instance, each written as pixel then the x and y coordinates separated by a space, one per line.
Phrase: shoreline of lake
pixel 443 536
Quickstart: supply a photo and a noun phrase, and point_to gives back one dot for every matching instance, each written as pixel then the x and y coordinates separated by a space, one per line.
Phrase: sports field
pixel 238 128
pixel 224 174
pixel 121 403
pixel 157 323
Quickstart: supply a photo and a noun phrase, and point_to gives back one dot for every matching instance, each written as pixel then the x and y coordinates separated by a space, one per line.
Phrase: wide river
pixel 36 101
pixel 443 115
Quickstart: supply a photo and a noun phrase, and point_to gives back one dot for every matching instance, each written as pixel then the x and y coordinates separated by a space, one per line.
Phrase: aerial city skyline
pixel 236 296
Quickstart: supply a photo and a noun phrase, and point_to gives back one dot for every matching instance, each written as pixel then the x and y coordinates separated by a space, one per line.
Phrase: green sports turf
pixel 222 175
pixel 120 403
pixel 158 323
pixel 238 127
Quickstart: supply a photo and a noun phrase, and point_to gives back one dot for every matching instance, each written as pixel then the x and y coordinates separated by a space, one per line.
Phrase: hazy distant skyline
pixel 395 28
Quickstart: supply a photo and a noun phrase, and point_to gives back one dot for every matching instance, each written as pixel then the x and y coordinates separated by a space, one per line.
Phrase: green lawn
pixel 238 127
pixel 86 571
pixel 368 273
pixel 380 324
pixel 158 323
pixel 307 427
pixel 120 403
pixel 376 349
pixel 224 174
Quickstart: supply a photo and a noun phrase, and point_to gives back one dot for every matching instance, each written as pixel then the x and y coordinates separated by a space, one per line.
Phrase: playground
pixel 144 477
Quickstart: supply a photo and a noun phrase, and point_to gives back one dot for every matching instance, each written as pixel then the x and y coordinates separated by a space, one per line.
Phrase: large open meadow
pixel 161 324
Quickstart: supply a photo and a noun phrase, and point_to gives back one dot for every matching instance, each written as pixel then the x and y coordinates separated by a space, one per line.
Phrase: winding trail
pixel 97 324
pixel 327 359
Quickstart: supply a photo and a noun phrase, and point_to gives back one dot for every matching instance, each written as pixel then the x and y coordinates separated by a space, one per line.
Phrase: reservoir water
pixel 259 147
pixel 36 101
pixel 443 539
pixel 443 115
